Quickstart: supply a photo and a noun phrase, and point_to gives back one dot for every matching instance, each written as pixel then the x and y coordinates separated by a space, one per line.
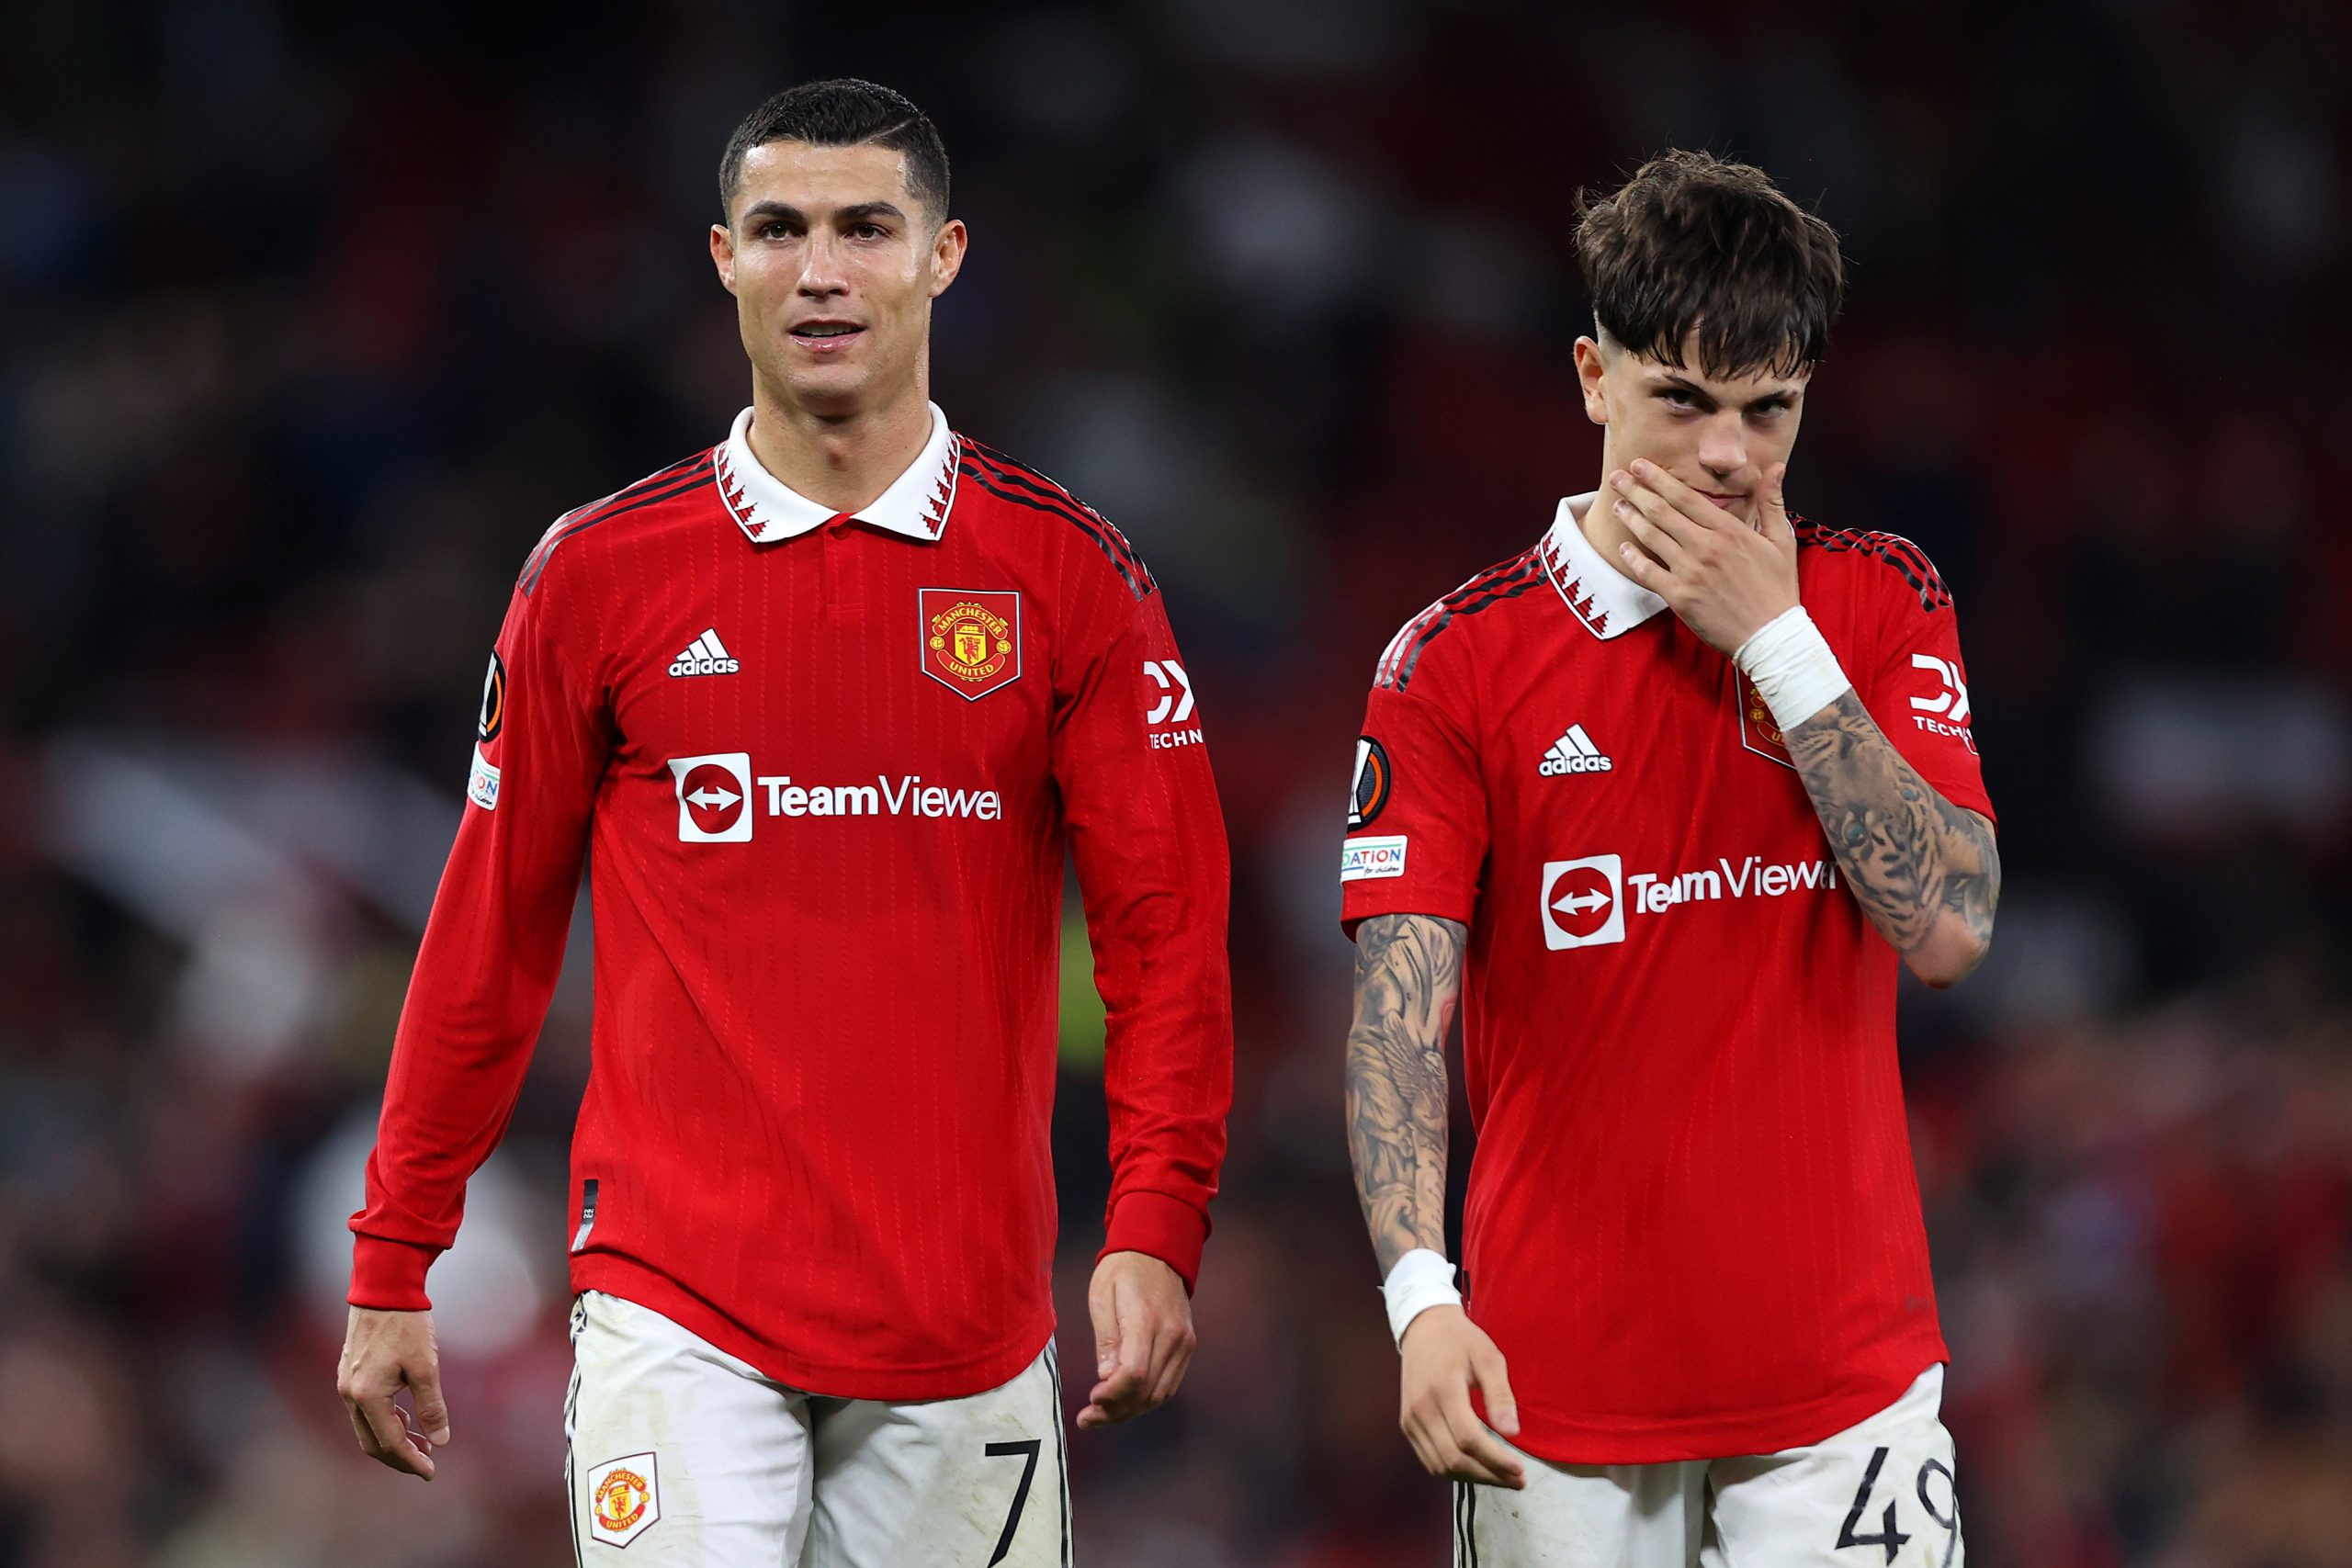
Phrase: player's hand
pixel 1142 1336
pixel 1723 577
pixel 384 1352
pixel 1446 1355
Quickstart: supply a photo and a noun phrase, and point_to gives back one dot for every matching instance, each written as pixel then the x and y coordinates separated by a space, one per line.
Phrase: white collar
pixel 767 509
pixel 1608 602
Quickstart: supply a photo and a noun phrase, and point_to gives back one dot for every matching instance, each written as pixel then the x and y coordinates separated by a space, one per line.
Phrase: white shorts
pixel 1878 1495
pixel 679 1453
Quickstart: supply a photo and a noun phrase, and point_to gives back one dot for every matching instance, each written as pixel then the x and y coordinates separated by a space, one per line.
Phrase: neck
pixel 842 461
pixel 1602 528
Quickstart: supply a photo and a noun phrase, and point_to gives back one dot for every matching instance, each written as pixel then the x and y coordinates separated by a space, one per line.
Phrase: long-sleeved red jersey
pixel 823 768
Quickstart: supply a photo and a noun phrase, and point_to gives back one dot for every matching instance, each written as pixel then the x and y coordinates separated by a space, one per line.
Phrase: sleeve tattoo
pixel 1916 862
pixel 1408 979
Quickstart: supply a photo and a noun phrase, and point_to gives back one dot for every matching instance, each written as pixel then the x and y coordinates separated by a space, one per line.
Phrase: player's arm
pixel 1409 872
pixel 485 972
pixel 1409 980
pixel 1147 838
pixel 1926 872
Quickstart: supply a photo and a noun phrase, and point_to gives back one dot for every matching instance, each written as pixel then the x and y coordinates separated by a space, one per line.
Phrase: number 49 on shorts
pixel 1934 1479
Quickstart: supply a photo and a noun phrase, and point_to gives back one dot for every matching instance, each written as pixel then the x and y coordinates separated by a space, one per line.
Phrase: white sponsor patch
pixel 1362 860
pixel 1584 903
pixel 624 1498
pixel 481 784
pixel 714 797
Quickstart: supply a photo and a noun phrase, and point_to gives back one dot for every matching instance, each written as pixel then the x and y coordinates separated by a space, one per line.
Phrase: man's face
pixel 1718 435
pixel 833 265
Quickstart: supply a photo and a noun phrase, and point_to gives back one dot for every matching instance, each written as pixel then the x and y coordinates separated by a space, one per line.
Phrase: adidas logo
pixel 708 656
pixel 1573 753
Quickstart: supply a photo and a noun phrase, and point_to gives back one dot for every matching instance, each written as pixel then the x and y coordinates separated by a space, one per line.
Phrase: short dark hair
pixel 844 112
pixel 1694 242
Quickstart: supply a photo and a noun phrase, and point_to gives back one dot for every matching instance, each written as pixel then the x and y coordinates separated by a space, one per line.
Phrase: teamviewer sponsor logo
pixel 1584 902
pixel 906 796
pixel 718 796
pixel 714 797
pixel 1656 892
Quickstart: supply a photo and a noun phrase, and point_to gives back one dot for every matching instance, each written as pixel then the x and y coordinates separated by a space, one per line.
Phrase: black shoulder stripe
pixel 1408 638
pixel 680 479
pixel 1052 490
pixel 1482 592
pixel 1013 465
pixel 1909 561
pixel 1022 474
pixel 1131 570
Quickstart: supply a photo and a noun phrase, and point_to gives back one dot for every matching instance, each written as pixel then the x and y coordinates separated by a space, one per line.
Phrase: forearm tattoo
pixel 1913 858
pixel 1408 979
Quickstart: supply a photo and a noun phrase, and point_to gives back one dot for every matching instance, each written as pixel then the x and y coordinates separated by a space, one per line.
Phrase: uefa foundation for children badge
pixel 972 638
pixel 624 1498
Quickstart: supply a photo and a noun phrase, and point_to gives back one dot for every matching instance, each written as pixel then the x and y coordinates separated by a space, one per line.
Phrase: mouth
pixel 826 335
pixel 1728 502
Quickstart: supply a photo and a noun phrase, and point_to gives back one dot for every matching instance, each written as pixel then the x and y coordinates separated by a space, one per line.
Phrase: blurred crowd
pixel 313 317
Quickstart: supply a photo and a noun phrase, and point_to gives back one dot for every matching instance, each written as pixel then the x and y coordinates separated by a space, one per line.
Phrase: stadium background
pixel 312 318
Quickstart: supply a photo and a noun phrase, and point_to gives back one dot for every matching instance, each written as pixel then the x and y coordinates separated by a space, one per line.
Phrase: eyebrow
pixel 1777 395
pixel 858 212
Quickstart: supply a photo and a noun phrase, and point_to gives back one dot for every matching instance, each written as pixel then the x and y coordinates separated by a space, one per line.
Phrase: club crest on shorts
pixel 624 1498
pixel 972 638
pixel 1758 730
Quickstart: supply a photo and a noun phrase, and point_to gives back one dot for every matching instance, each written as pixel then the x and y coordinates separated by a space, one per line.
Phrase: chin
pixel 827 388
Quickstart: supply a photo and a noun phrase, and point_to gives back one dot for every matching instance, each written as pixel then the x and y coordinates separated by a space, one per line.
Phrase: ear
pixel 1592 366
pixel 722 255
pixel 947 248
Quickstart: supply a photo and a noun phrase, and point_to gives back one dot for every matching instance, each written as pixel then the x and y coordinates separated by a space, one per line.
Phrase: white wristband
pixel 1793 668
pixel 1421 1280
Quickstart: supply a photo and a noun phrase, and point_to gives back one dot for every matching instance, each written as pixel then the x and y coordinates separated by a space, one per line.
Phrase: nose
pixel 821 274
pixel 1723 445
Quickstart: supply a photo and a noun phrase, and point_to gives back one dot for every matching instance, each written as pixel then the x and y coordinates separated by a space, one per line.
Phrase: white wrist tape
pixel 1421 1280
pixel 1793 668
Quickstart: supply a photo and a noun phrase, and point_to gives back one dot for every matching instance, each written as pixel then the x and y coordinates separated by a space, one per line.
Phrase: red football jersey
pixel 1693 1227
pixel 822 769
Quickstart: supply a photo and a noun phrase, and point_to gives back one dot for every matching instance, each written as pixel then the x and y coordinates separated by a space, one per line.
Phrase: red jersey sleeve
pixel 493 948
pixel 1140 807
pixel 1417 816
pixel 1916 685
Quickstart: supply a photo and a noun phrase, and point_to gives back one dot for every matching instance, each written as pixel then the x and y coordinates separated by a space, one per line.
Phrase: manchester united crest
pixel 1758 730
pixel 623 1498
pixel 972 638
